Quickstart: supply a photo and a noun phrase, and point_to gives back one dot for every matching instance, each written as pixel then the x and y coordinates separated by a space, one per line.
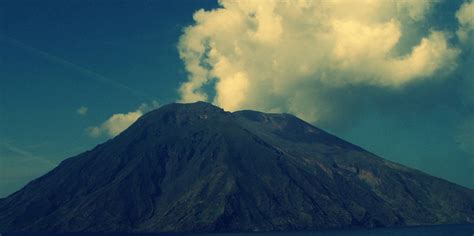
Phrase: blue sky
pixel 113 56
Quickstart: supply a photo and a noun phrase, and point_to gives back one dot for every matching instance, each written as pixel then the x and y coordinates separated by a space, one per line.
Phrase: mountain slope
pixel 195 167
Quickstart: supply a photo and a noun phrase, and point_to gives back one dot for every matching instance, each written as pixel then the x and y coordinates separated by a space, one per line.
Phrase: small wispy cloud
pixel 24 154
pixel 82 110
pixel 117 123
pixel 75 67
pixel 19 165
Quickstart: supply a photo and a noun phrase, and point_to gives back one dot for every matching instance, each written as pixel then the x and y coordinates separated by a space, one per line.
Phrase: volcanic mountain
pixel 195 167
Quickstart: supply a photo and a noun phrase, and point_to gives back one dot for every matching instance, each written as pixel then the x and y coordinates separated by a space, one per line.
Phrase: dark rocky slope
pixel 194 167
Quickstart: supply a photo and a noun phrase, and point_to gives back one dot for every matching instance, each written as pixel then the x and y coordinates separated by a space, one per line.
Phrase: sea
pixel 437 230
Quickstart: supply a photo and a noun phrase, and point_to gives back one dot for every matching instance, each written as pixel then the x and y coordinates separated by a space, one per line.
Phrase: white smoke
pixel 286 55
pixel 465 16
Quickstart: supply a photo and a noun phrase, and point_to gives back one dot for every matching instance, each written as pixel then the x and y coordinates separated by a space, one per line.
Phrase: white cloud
pixel 82 110
pixel 465 16
pixel 117 123
pixel 277 55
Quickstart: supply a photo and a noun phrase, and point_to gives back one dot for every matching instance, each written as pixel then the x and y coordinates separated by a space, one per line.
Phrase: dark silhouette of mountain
pixel 195 167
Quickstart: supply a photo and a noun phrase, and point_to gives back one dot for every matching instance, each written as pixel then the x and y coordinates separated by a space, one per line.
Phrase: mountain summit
pixel 195 167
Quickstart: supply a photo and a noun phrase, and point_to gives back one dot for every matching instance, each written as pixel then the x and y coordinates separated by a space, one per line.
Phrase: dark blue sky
pixel 49 52
pixel 112 56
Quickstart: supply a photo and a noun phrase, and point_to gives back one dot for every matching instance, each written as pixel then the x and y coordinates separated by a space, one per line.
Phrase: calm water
pixel 444 230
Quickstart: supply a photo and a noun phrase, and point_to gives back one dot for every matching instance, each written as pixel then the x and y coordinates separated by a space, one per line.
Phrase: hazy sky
pixel 395 77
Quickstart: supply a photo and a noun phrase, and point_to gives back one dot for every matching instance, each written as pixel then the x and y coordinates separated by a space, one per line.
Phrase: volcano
pixel 197 168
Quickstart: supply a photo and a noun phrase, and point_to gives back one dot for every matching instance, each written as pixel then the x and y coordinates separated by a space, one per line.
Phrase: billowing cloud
pixel 465 16
pixel 117 123
pixel 82 110
pixel 287 55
